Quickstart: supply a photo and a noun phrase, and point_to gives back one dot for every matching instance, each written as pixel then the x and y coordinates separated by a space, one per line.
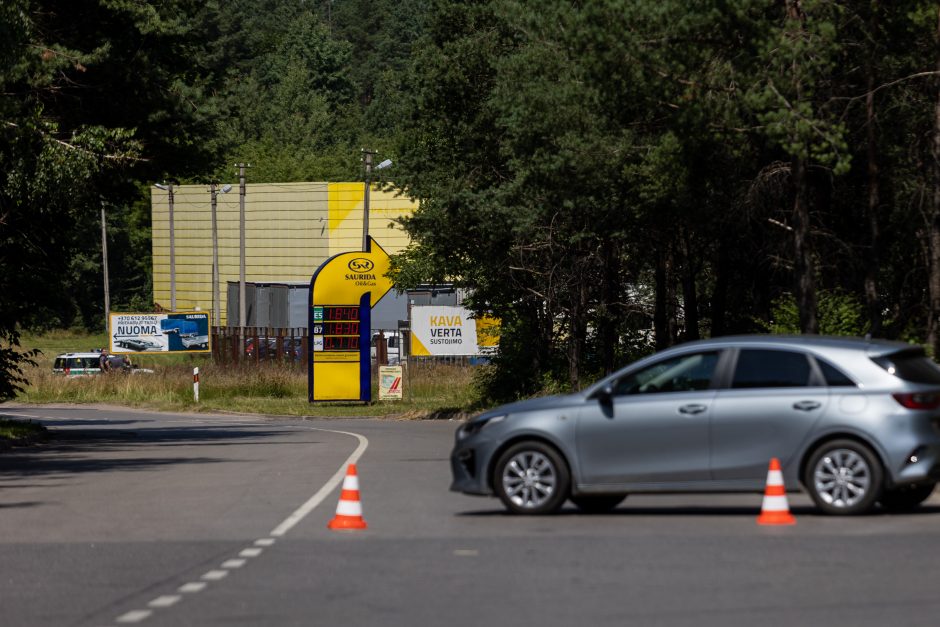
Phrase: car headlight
pixel 478 424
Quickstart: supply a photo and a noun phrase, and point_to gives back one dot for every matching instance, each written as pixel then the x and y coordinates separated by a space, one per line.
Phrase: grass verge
pixel 430 390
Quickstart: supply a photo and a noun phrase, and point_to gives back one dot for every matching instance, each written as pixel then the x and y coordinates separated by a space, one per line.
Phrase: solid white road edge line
pixel 328 487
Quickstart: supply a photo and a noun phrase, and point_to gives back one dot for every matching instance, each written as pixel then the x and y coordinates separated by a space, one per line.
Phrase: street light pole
pixel 104 263
pixel 169 190
pixel 367 156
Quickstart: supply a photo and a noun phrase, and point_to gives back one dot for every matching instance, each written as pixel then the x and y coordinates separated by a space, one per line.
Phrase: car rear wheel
pixel 531 478
pixel 597 503
pixel 844 477
pixel 906 498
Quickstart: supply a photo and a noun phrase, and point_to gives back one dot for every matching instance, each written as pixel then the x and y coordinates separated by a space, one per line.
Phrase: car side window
pixel 758 368
pixel 680 374
pixel 834 377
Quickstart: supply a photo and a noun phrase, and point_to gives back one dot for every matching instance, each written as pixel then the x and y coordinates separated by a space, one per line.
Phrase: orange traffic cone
pixel 775 509
pixel 349 509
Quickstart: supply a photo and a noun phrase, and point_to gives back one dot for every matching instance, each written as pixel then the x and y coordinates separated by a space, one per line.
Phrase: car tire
pixel 597 503
pixel 531 478
pixel 844 478
pixel 906 498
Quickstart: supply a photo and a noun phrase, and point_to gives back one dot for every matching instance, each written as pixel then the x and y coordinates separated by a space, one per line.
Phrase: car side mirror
pixel 605 395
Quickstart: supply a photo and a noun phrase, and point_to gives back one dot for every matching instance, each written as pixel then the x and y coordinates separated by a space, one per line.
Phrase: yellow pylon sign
pixel 343 291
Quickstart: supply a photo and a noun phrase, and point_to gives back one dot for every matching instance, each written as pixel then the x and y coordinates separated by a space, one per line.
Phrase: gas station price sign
pixel 336 329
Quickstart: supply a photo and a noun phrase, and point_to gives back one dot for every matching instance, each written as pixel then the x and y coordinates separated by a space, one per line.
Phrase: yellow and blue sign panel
pixel 342 293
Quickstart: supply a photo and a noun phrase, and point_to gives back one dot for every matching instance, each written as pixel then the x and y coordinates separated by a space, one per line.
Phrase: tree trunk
pixel 720 293
pixel 607 331
pixel 664 315
pixel 873 259
pixel 577 330
pixel 933 322
pixel 802 250
pixel 690 295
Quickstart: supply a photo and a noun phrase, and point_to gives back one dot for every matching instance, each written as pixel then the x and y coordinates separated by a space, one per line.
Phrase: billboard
pixel 159 333
pixel 438 330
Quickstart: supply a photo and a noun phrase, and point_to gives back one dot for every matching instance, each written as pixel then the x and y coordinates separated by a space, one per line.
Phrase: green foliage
pixel 839 314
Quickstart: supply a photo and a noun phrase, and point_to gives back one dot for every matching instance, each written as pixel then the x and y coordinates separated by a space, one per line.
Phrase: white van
pixel 393 338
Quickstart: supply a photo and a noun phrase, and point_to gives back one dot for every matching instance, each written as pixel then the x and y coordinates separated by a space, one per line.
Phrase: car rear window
pixel 913 366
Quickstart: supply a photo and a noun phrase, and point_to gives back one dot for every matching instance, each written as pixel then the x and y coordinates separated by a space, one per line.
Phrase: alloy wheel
pixel 842 478
pixel 529 479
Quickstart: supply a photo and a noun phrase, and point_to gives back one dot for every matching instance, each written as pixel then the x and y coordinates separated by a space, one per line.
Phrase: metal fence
pixel 259 345
pixel 256 346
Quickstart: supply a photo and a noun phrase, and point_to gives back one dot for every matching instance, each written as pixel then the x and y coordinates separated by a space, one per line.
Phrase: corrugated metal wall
pixel 290 229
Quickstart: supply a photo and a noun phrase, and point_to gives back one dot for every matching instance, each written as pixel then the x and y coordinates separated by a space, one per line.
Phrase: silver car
pixel 854 422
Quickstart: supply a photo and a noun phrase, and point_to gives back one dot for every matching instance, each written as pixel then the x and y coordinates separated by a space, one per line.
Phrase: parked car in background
pixel 393 346
pixel 89 364
pixel 266 348
pixel 854 422
pixel 77 364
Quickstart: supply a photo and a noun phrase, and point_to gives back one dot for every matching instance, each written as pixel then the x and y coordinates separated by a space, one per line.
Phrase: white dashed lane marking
pixel 134 617
pixel 215 575
pixel 192 587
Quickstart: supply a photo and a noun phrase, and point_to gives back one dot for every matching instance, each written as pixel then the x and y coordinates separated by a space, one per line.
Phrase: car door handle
pixel 692 409
pixel 806 405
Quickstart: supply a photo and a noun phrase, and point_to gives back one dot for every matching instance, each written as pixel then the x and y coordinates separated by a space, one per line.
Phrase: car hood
pixel 535 404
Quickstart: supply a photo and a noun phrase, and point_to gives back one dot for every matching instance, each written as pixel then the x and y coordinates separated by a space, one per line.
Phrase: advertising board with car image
pixel 159 332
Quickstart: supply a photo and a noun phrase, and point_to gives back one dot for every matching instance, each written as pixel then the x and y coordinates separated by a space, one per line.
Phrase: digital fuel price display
pixel 338 327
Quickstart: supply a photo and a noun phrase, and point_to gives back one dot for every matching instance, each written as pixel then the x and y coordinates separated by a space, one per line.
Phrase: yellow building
pixel 290 229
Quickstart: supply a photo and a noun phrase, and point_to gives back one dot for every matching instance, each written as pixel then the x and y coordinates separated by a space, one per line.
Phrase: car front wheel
pixel 844 477
pixel 531 478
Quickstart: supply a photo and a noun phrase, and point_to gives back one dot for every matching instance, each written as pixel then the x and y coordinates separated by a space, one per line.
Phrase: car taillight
pixel 918 400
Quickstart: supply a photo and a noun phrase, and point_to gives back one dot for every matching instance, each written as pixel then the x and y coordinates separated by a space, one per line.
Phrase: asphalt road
pixel 130 517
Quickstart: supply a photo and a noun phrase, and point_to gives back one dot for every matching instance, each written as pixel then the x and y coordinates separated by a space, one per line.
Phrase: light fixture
pixel 384 164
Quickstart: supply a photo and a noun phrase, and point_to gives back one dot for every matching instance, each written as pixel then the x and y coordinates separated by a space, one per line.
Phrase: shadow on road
pixel 86 447
pixel 697 510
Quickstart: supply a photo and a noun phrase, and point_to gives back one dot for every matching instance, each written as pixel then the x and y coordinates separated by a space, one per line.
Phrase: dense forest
pixel 607 177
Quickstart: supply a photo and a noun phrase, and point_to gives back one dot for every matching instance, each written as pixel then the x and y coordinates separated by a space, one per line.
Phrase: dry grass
pixel 430 391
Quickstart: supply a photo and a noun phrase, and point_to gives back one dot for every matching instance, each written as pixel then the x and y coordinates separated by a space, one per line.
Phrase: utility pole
pixel 168 186
pixel 367 156
pixel 104 263
pixel 242 309
pixel 169 189
pixel 215 256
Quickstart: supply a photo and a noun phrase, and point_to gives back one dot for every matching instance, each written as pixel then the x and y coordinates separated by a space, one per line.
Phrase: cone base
pixel 347 522
pixel 776 518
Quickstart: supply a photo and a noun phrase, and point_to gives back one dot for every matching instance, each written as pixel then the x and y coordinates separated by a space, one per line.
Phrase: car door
pixel 652 427
pixel 769 405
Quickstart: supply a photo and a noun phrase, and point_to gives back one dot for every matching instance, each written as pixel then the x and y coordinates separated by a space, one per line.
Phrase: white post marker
pixel 196 384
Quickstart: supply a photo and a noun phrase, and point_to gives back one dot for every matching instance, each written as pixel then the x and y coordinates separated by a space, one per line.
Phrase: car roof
pixel 89 354
pixel 874 347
